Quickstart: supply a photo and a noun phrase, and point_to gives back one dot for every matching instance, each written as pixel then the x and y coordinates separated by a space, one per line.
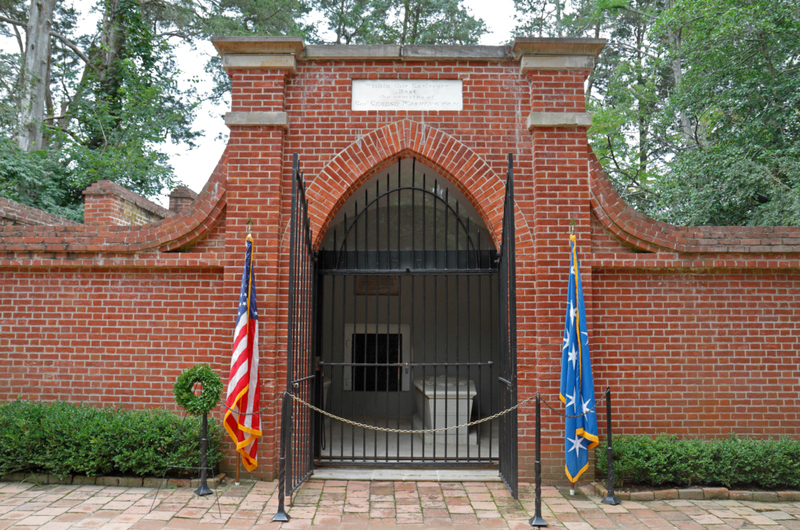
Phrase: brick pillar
pixel 556 71
pixel 180 198
pixel 258 123
pixel 108 203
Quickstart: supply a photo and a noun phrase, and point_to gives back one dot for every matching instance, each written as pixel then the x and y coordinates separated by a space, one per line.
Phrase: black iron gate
pixel 408 327
pixel 508 339
pixel 301 362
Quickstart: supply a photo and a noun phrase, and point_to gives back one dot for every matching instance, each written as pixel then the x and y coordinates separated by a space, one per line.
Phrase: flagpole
pixel 243 385
pixel 576 376
pixel 238 456
pixel 572 236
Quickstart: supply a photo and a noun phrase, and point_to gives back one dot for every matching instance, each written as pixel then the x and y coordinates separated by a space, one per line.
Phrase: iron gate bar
pixel 428 463
pixel 399 381
pixel 398 190
pixel 487 363
pixel 419 272
pixel 508 338
pixel 404 260
pixel 299 438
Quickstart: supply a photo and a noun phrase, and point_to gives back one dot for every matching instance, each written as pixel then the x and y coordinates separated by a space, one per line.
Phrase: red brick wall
pixel 699 353
pixel 107 335
pixel 118 311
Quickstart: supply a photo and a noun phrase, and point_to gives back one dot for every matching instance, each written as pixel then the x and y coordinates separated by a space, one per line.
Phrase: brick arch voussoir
pixel 362 159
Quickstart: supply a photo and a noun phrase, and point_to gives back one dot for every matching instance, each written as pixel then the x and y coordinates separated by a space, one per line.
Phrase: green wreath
pixel 208 399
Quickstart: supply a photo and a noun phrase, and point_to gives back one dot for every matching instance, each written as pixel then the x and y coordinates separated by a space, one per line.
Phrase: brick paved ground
pixel 366 505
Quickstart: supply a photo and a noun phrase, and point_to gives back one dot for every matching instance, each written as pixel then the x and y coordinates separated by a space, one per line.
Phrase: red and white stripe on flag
pixel 244 425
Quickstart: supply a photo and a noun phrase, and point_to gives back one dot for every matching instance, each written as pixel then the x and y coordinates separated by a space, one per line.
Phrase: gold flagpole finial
pixel 249 224
pixel 572 224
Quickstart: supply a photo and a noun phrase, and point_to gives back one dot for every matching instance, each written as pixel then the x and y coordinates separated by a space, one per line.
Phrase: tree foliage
pixel 110 98
pixel 741 91
pixel 102 103
pixel 695 103
pixel 414 22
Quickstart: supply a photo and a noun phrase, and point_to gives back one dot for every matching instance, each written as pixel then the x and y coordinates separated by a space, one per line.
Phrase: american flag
pixel 577 386
pixel 244 427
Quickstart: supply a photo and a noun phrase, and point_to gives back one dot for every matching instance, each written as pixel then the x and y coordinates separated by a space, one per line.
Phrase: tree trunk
pixel 674 38
pixel 35 74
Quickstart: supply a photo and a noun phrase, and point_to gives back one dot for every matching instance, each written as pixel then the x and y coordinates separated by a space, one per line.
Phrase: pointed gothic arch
pixel 463 167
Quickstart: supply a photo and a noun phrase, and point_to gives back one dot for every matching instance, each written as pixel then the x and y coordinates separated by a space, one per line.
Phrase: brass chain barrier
pixel 410 431
pixel 422 431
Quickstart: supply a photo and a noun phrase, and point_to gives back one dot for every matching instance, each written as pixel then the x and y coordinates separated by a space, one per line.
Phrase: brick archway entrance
pixel 452 159
pixel 408 325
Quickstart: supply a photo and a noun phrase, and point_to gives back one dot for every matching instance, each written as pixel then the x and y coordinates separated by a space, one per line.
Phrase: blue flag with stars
pixel 577 386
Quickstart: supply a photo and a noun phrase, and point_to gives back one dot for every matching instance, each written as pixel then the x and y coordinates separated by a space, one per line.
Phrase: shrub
pixel 63 438
pixel 731 462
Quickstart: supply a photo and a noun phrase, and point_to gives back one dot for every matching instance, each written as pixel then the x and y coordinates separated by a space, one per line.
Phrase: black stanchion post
pixel 537 519
pixel 610 498
pixel 204 489
pixel 282 516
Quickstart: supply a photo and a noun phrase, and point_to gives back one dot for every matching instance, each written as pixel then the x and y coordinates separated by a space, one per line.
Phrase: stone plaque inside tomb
pixel 407 94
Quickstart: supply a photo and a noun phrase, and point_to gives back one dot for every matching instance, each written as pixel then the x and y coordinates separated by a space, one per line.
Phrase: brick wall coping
pixel 183 192
pixel 69 261
pixel 296 47
pixel 647 234
pixel 107 187
pixel 25 215
pixel 680 263
pixel 177 231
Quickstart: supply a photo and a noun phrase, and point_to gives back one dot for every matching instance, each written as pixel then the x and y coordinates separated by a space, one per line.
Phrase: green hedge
pixel 68 439
pixel 731 462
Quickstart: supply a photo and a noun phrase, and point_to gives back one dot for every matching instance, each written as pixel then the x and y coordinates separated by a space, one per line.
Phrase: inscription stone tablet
pixel 407 94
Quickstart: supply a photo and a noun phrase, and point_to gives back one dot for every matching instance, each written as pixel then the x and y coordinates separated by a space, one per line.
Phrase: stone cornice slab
pixel 449 52
pixel 258 45
pixel 555 62
pixel 323 52
pixel 544 46
pixel 559 119
pixel 406 53
pixel 261 61
pixel 257 119
pixel 294 46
